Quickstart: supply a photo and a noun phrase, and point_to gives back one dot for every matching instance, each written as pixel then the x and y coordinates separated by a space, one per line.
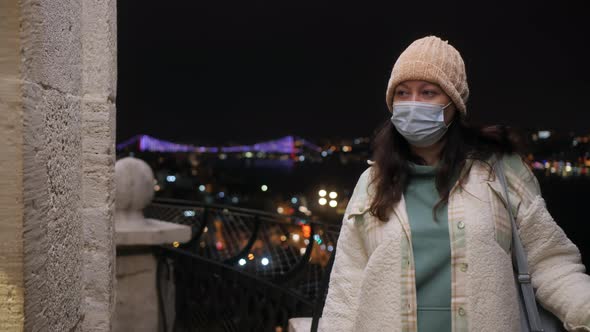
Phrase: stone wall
pixel 53 238
pixel 11 176
pixel 99 78
pixel 57 102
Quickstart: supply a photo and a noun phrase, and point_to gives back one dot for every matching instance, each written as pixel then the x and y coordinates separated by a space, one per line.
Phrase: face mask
pixel 422 124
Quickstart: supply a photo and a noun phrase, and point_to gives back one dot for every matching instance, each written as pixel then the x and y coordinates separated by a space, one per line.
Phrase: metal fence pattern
pixel 243 270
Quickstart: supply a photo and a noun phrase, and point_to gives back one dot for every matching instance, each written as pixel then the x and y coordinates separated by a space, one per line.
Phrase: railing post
pixel 136 237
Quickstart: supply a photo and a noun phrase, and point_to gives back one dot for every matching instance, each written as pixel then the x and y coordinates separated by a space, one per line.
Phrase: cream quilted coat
pixel 372 285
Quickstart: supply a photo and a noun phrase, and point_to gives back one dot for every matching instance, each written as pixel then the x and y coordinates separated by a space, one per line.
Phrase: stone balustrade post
pixel 136 307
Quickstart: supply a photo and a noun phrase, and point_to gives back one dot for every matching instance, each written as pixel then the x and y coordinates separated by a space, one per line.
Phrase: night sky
pixel 218 71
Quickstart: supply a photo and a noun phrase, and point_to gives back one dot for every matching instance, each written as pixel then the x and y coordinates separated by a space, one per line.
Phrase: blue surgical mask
pixel 422 124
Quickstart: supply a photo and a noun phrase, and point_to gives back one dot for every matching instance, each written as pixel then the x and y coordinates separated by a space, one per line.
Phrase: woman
pixel 425 241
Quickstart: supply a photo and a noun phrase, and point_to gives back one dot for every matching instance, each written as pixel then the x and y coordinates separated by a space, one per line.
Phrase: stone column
pixel 98 38
pixel 11 176
pixel 137 300
pixel 57 152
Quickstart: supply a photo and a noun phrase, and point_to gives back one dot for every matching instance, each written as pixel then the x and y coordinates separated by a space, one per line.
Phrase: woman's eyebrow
pixel 429 85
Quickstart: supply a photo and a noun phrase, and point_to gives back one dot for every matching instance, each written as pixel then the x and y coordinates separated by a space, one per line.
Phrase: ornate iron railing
pixel 243 270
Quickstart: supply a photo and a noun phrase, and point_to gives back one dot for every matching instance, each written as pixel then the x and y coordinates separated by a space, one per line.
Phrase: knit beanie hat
pixel 434 60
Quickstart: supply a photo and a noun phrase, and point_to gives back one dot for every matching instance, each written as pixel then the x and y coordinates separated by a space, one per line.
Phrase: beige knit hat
pixel 434 60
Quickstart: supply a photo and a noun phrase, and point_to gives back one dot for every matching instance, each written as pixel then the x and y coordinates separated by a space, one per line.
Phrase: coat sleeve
pixel 557 273
pixel 342 300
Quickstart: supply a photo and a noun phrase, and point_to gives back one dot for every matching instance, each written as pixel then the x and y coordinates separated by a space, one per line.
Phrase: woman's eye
pixel 401 93
pixel 429 92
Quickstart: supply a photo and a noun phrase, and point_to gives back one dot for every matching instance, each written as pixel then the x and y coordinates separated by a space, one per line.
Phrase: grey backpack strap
pixel 520 261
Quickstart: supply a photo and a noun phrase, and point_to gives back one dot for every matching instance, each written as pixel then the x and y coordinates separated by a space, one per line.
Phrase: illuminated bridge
pixel 285 145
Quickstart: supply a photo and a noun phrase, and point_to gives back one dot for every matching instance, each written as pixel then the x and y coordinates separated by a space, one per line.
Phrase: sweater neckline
pixel 422 169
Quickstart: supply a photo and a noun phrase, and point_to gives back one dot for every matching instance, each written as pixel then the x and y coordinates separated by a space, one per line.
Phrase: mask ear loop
pixel 447 105
pixel 450 123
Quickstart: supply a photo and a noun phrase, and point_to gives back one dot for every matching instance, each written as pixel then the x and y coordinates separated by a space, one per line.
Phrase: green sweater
pixel 432 250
